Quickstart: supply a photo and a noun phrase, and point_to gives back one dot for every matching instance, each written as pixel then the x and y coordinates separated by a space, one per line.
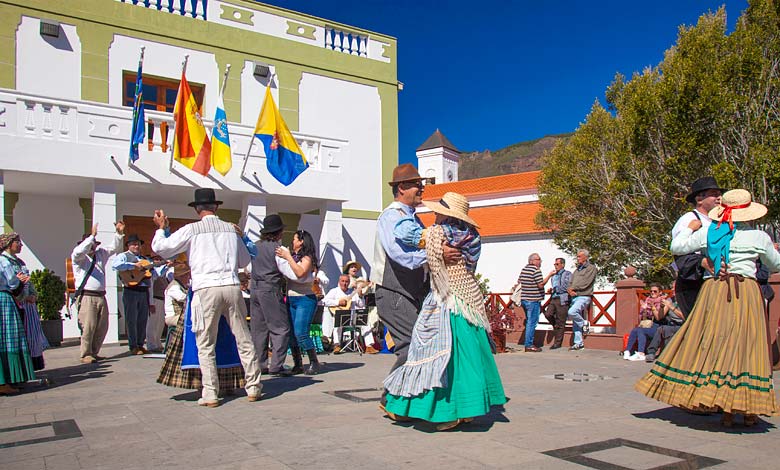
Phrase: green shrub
pixel 51 293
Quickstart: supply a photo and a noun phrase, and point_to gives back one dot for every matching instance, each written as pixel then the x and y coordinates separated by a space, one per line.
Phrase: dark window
pixel 159 93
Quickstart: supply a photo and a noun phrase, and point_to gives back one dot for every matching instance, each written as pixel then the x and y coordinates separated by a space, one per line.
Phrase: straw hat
pixel 737 206
pixel 452 205
pixel 349 264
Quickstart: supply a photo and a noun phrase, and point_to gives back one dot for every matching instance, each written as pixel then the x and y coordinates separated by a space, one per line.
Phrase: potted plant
pixel 51 298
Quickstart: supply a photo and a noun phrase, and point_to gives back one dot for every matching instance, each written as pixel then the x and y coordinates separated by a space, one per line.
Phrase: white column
pixel 331 239
pixel 254 211
pixel 104 214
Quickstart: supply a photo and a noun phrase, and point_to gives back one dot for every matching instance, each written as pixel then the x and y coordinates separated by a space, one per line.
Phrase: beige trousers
pixel 155 326
pixel 216 302
pixel 93 318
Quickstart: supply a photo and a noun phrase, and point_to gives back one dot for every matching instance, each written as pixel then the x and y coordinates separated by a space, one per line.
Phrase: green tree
pixel 710 107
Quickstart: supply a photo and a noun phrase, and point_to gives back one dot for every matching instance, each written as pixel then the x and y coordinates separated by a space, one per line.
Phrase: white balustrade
pixel 346 42
pixel 110 126
pixel 178 7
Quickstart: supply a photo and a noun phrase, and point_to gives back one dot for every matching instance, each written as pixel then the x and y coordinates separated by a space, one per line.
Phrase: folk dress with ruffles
pixel 15 362
pixel 450 372
pixel 719 359
pixel 36 340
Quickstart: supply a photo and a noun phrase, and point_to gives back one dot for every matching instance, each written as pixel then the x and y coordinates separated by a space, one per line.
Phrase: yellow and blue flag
pixel 221 158
pixel 284 158
pixel 138 131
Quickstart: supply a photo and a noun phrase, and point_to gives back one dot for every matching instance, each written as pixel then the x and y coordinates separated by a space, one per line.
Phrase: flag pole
pixel 175 124
pixel 133 128
pixel 224 80
pixel 252 140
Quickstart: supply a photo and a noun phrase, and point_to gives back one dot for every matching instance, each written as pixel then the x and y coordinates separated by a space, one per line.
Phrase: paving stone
pixel 129 421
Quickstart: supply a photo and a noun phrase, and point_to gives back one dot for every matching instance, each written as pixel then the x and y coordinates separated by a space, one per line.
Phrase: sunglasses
pixel 654 291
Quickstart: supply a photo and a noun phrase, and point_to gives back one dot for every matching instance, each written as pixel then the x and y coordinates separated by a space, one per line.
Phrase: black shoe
pixel 282 373
pixel 555 346
pixel 649 357
pixel 532 349
pixel 265 371
pixel 577 347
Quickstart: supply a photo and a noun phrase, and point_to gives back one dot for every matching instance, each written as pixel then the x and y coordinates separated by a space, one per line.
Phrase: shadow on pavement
pixel 480 423
pixel 710 423
pixel 53 378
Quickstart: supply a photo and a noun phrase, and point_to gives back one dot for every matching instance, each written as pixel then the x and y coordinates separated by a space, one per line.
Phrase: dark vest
pixel 265 273
pixel 411 283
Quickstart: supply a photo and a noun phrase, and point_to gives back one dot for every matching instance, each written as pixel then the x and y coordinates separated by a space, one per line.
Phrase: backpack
pixel 689 266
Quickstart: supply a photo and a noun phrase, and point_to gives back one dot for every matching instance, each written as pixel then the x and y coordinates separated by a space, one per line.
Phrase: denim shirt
pixel 560 286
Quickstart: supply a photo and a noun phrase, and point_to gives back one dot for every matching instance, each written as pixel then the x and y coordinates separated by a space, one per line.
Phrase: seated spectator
pixel 342 297
pixel 649 315
pixel 671 319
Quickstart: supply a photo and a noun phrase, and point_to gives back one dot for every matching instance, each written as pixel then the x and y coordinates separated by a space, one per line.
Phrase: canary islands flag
pixel 191 146
pixel 221 158
pixel 284 158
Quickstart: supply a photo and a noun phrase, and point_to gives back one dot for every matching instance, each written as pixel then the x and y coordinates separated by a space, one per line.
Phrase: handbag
pixel 516 294
pixel 646 323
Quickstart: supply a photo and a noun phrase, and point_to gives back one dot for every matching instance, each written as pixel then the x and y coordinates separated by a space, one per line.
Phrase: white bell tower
pixel 438 158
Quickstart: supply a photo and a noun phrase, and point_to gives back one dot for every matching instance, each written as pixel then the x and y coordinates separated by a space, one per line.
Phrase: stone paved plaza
pixel 567 410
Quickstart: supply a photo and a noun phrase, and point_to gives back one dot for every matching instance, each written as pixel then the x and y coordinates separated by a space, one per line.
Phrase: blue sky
pixel 511 71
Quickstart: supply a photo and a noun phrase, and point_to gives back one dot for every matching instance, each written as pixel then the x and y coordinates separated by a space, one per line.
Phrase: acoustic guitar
pixel 133 277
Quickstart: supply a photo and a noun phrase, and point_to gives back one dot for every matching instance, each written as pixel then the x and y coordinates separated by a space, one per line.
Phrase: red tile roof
pixel 494 221
pixel 484 186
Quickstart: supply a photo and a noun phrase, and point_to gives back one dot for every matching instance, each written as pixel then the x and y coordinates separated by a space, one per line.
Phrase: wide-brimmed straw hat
pixel 737 206
pixel 345 270
pixel 452 205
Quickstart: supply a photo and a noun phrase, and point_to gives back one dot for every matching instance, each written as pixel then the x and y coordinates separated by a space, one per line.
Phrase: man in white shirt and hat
pixel 215 252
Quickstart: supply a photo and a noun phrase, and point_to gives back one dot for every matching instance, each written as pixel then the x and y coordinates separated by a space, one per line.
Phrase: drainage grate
pixel 666 459
pixel 358 395
pixel 578 377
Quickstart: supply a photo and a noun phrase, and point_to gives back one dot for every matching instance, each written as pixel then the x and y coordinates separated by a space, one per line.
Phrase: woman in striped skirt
pixel 171 373
pixel 719 359
pixel 26 301
pixel 15 363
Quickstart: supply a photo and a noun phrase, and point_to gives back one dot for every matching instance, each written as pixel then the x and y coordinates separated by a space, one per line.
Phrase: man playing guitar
pixel 342 297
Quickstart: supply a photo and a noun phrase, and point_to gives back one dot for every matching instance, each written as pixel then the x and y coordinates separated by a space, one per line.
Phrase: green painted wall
pixel 86 208
pixel 9 202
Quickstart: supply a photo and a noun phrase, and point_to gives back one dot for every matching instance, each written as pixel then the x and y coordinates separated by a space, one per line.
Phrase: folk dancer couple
pixel 445 372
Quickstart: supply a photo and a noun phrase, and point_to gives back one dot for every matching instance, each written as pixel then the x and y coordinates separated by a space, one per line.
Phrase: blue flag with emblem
pixel 138 131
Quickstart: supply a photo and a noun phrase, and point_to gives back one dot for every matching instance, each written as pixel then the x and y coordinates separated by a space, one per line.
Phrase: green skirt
pixel 473 383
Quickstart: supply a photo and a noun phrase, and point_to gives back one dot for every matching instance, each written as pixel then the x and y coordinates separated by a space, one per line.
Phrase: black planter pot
pixel 52 330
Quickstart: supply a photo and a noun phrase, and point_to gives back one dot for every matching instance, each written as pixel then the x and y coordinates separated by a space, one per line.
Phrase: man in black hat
pixel 215 252
pixel 704 196
pixel 269 317
pixel 136 298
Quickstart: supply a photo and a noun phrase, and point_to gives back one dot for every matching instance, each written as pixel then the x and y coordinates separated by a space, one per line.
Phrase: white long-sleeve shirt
pixel 81 261
pixel 176 292
pixel 334 296
pixel 214 251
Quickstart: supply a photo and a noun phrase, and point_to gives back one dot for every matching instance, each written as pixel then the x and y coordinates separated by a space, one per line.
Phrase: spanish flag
pixel 221 159
pixel 191 146
pixel 284 158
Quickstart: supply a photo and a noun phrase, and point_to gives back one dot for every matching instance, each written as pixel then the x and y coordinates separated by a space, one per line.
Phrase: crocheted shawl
pixel 455 285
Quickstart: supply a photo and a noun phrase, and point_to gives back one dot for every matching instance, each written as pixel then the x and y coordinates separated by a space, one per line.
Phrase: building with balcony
pixel 67 73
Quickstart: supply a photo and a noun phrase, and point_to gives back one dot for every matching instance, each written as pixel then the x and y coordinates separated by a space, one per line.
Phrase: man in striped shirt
pixel 532 285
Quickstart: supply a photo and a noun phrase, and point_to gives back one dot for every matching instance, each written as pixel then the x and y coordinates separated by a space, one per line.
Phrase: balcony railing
pixel 194 8
pixel 601 313
pixel 101 130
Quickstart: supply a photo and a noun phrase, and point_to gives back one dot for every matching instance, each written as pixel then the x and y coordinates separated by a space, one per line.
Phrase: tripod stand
pixel 352 321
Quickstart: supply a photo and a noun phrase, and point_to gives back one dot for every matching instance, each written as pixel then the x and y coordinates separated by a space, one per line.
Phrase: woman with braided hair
pixel 719 359
pixel 450 376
